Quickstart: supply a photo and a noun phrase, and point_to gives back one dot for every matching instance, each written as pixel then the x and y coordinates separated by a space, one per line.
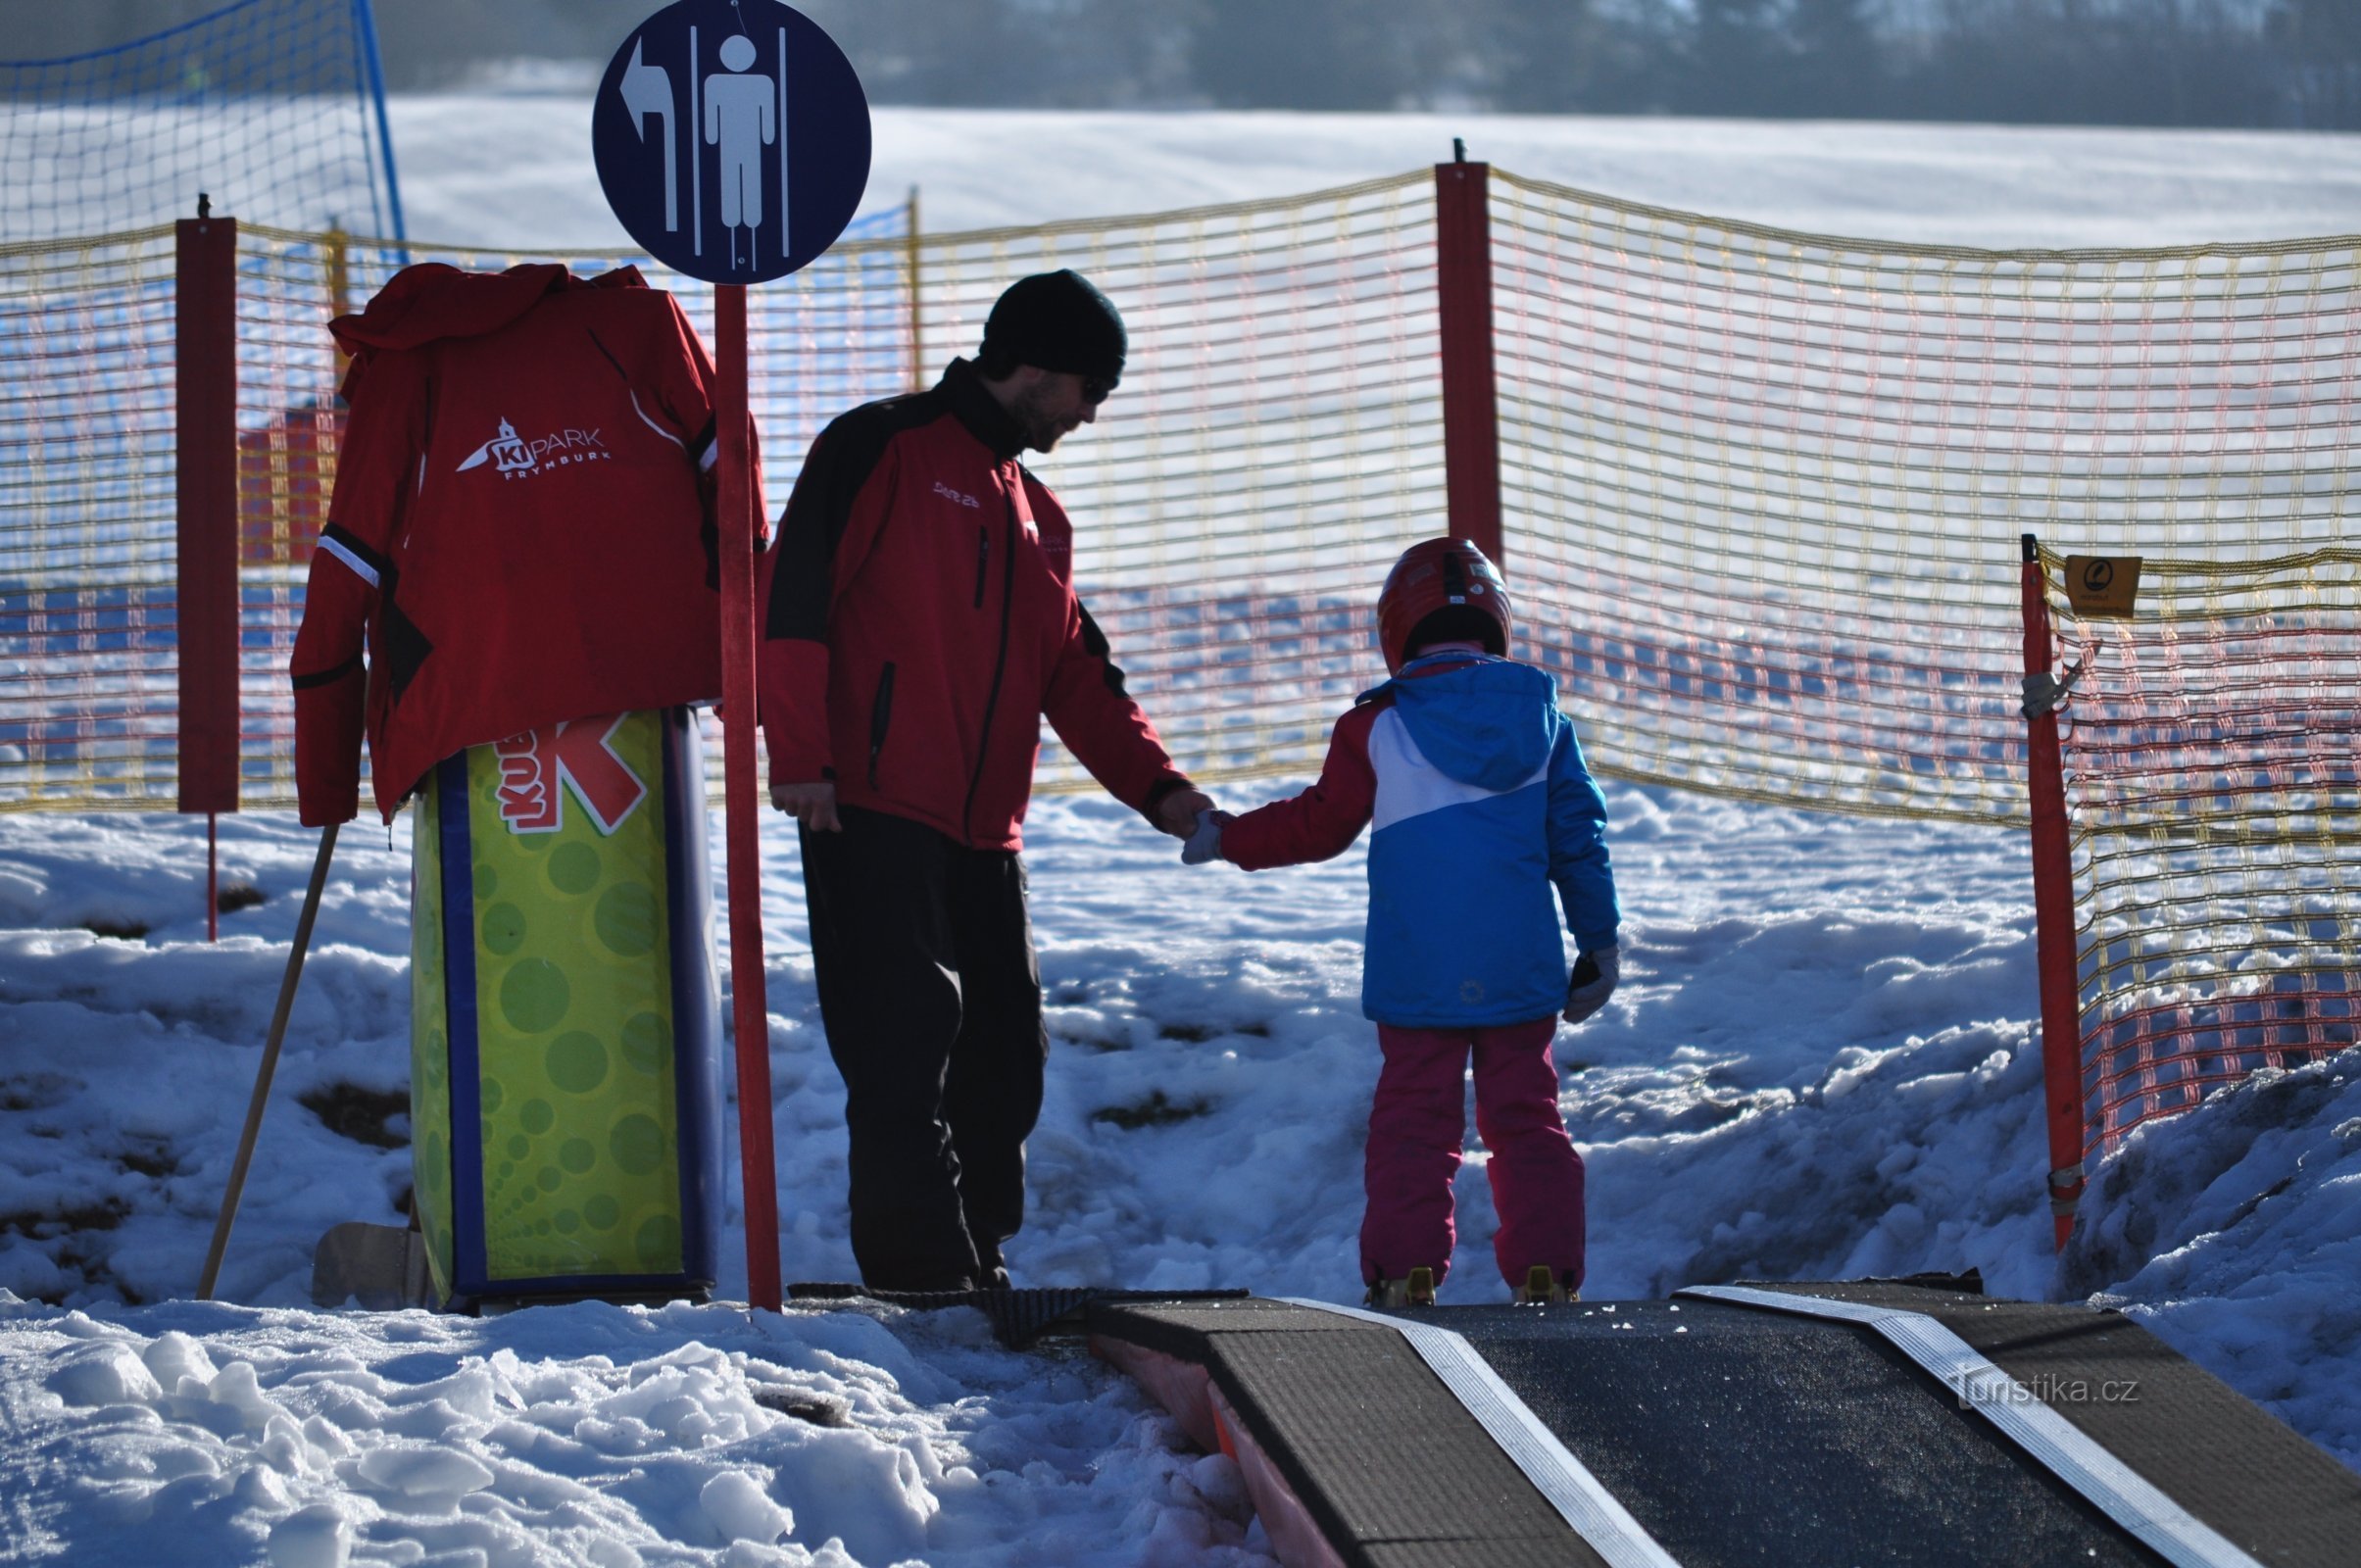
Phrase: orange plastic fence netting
pixel 88 624
pixel 1764 489
pixel 1274 444
pixel 2212 750
pixel 1761 489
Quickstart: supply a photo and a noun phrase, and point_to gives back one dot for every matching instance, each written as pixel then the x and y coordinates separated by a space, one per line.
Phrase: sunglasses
pixel 1095 389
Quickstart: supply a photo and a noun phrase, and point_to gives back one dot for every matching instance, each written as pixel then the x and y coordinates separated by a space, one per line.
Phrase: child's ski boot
pixel 1416 1291
pixel 1541 1288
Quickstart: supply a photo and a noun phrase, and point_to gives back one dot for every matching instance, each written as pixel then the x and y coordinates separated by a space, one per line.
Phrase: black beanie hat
pixel 1058 321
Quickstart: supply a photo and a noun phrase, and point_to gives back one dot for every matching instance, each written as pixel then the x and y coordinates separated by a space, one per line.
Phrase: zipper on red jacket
pixel 983 560
pixel 1000 668
pixel 881 715
pixel 426 434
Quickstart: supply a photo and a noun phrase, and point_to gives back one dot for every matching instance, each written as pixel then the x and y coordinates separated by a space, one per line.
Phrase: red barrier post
pixel 2054 919
pixel 1471 424
pixel 750 1012
pixel 204 334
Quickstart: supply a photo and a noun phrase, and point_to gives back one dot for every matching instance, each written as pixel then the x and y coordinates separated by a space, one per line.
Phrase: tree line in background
pixel 2230 63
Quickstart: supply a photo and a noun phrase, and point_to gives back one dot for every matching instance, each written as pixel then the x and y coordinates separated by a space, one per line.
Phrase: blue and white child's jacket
pixel 1481 803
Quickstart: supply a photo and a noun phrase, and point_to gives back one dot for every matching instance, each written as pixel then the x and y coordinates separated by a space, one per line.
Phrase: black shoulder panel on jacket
pixel 1094 643
pixel 839 464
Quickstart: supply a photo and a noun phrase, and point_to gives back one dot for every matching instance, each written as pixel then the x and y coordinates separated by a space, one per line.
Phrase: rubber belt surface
pixel 2110 1485
pixel 1587 1506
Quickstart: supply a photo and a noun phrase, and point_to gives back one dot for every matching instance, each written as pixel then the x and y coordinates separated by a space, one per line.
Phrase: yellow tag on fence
pixel 2103 587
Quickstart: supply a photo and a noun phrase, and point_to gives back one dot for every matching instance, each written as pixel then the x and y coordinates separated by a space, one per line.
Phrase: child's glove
pixel 1205 843
pixel 1595 976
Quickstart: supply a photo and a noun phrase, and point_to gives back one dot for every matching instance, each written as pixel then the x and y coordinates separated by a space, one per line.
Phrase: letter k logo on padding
pixel 575 753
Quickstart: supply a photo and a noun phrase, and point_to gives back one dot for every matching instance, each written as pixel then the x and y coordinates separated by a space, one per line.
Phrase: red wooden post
pixel 1471 424
pixel 206 442
pixel 2053 922
pixel 748 1006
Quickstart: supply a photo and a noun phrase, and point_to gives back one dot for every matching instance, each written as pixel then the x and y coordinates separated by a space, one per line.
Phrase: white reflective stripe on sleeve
pixel 2118 1491
pixel 651 423
pixel 361 569
pixel 1579 1496
pixel 712 455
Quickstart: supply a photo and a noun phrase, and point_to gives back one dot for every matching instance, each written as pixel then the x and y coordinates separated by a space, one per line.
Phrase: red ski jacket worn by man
pixel 521 529
pixel 921 621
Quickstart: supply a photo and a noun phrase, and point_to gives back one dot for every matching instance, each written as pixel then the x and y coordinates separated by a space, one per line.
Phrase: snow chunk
pixel 238 1388
pixel 866 1492
pixel 173 1355
pixel 316 1537
pixel 107 1373
pixel 423 1472
pixel 741 1510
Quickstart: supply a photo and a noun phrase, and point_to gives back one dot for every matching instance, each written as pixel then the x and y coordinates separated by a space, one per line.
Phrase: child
pixel 1481 803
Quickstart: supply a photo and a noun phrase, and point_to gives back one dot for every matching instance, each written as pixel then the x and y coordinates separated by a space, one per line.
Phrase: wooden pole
pixel 2054 919
pixel 1471 425
pixel 918 312
pixel 262 1079
pixel 749 1008
pixel 205 353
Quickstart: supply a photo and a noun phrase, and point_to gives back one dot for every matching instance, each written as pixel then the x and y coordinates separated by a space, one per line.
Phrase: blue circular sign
pixel 732 138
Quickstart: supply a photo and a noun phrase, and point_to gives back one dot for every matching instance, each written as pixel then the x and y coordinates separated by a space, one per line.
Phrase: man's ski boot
pixel 1416 1291
pixel 1541 1288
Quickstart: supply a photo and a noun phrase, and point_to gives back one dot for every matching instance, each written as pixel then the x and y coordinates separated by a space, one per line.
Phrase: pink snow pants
pixel 1414 1134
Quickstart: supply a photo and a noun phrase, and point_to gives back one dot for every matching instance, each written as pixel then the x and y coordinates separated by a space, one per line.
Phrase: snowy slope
pixel 1820 1064
pixel 1995 185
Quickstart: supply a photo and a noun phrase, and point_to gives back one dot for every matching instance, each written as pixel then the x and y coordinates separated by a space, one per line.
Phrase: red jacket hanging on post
pixel 521 531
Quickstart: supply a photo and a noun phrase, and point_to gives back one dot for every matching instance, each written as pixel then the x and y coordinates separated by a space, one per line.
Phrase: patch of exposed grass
pixel 1153 1111
pixel 351 1111
pixel 35 1092
pixel 236 895
pixel 154 1160
pixel 42 1224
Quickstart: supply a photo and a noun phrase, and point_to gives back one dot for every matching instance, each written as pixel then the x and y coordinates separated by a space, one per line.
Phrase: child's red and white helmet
pixel 1433 578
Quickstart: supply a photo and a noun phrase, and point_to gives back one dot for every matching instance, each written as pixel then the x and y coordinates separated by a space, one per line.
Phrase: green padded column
pixel 574 1004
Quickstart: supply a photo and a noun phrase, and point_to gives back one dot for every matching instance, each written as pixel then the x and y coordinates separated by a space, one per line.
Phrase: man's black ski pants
pixel 931 997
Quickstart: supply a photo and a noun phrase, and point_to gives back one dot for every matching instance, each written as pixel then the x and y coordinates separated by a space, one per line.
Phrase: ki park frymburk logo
pixel 540 768
pixel 514 458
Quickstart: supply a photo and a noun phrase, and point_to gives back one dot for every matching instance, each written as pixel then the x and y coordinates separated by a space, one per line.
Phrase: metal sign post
pixel 753 110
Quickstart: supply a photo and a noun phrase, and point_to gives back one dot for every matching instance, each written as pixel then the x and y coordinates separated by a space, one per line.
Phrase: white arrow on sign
pixel 647 90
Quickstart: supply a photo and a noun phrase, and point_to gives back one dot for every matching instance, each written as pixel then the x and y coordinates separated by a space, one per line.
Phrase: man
pixel 920 623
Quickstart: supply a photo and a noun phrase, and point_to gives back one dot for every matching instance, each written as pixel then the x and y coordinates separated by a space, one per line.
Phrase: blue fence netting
pixel 273 108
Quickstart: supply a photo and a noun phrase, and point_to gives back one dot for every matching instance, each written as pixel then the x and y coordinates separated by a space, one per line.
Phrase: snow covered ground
pixel 1820 1064
pixel 1993 185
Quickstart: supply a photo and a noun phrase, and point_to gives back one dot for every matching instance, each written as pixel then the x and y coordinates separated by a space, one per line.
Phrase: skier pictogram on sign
pixel 739 121
pixel 732 138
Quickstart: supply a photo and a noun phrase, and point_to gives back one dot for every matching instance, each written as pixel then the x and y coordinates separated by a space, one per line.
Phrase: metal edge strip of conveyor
pixel 2114 1488
pixel 1580 1499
